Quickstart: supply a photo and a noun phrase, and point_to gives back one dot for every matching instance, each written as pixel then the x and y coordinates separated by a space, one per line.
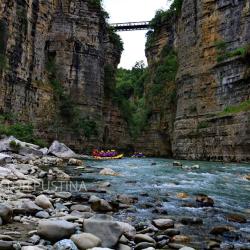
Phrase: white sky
pixel 130 11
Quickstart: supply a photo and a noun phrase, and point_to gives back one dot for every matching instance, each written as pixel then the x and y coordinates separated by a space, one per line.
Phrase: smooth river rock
pixel 163 223
pixel 55 230
pixel 6 213
pixel 86 240
pixel 43 202
pixel 105 228
pixel 65 245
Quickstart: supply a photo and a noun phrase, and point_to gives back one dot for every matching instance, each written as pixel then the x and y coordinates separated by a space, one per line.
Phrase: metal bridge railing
pixel 143 25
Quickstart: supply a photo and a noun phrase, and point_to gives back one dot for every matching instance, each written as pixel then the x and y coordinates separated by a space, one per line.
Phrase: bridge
pixel 144 25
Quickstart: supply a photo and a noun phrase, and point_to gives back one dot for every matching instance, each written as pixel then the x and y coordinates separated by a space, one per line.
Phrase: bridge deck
pixel 144 25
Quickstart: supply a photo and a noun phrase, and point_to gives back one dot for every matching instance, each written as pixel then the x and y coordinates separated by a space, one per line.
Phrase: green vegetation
pixel 95 3
pixel 163 73
pixel 22 131
pixel 115 38
pixel 223 53
pixel 15 146
pixel 202 125
pixel 243 106
pixel 128 94
pixel 161 17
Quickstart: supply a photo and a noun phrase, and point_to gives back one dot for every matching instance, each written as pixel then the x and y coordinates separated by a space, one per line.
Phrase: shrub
pixel 160 18
pixel 223 54
pixel 243 106
pixel 95 3
pixel 115 38
pixel 15 146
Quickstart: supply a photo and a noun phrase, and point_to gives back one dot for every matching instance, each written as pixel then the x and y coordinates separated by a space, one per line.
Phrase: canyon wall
pixel 50 47
pixel 212 41
pixel 208 84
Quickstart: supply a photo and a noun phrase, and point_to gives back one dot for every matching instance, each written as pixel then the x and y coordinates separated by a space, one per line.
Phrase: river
pixel 157 183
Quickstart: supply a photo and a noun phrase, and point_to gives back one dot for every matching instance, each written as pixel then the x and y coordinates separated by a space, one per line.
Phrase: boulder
pixel 128 230
pixel 63 195
pixel 101 206
pixel 30 207
pixel 43 202
pixel 204 201
pixel 86 240
pixel 55 230
pixel 75 162
pixel 124 247
pixel 237 218
pixel 105 228
pixel 61 150
pixel 163 223
pixel 181 238
pixel 42 215
pixel 108 171
pixel 80 208
pixel 171 232
pixel 4 158
pixel 123 198
pixel 6 213
pixel 65 245
pixel 187 248
pixel 23 148
pixel 144 238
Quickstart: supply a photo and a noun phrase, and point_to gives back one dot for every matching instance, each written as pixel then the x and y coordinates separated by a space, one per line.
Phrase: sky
pixel 132 11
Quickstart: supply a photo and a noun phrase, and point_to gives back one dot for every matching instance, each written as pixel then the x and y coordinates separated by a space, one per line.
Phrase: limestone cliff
pixel 210 80
pixel 53 56
pixel 212 118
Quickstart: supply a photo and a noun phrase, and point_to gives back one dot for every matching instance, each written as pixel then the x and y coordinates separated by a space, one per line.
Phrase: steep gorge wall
pixel 196 126
pixel 72 34
pixel 157 137
pixel 206 85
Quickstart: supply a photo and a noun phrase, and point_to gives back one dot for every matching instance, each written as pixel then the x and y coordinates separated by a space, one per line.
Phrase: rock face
pixel 207 85
pixel 44 43
pixel 208 82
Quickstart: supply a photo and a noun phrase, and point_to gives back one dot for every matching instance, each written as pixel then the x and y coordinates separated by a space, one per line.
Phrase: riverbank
pixel 51 199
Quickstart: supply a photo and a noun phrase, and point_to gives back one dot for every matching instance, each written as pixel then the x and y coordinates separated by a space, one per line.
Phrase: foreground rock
pixel 101 206
pixel 6 213
pixel 163 223
pixel 65 245
pixel 23 148
pixel 61 150
pixel 43 202
pixel 86 241
pixel 55 230
pixel 105 228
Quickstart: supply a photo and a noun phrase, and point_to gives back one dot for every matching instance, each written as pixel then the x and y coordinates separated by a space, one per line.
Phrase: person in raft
pixel 109 153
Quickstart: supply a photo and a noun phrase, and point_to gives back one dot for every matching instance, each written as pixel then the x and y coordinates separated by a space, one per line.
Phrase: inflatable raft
pixel 117 157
